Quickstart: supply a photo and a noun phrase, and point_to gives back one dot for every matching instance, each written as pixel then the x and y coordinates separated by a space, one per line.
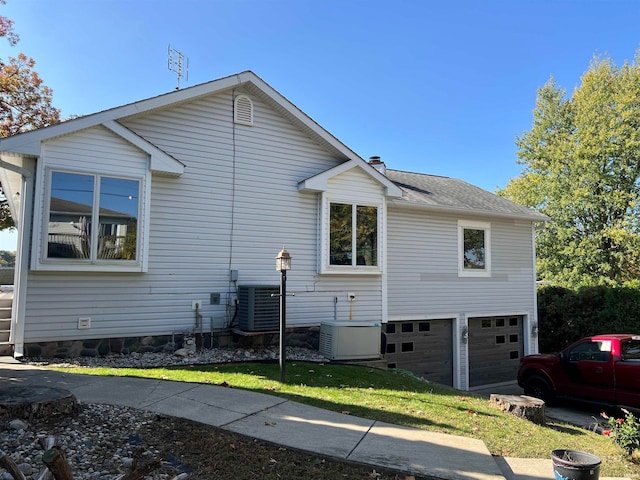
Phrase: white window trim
pixel 42 263
pixel 325 266
pixel 475 225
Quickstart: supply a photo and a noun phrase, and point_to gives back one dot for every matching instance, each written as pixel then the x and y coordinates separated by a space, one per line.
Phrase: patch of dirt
pixel 211 453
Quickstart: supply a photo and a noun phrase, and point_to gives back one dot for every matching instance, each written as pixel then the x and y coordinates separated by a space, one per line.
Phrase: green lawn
pixel 398 398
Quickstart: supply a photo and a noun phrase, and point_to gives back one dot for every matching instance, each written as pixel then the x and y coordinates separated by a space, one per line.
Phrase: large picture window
pixel 353 235
pixel 93 218
pixel 474 249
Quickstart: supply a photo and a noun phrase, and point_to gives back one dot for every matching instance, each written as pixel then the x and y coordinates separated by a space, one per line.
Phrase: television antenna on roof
pixel 179 64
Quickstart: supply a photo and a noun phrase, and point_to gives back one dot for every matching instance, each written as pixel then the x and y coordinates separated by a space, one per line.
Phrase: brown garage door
pixel 495 347
pixel 423 347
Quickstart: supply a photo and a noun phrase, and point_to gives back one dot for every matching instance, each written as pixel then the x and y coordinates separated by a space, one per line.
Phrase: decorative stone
pixel 523 406
pixel 36 401
pixel 17 425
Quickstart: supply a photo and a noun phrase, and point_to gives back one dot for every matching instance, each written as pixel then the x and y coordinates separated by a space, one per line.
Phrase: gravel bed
pixel 101 440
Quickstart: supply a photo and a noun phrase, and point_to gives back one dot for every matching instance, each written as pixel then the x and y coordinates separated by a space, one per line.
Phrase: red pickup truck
pixel 602 368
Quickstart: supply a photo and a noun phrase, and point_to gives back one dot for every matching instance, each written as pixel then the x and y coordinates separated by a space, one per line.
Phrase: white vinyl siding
pixel 234 207
pixel 423 267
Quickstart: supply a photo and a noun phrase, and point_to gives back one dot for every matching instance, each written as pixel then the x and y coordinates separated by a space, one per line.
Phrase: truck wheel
pixel 539 387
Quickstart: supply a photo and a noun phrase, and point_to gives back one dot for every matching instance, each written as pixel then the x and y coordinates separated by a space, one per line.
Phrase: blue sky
pixel 435 87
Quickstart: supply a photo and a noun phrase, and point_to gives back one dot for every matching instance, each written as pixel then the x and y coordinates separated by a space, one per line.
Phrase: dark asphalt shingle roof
pixel 454 194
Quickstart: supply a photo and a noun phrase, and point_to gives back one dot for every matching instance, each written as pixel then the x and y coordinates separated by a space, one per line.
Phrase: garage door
pixel 423 347
pixel 495 347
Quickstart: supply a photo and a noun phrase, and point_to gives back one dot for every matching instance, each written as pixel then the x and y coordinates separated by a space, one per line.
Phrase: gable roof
pixel 450 194
pixel 318 183
pixel 28 143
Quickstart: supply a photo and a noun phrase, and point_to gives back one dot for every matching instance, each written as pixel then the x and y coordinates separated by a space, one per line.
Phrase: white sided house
pixel 156 224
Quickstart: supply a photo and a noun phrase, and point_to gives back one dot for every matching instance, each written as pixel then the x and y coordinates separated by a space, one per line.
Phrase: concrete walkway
pixel 292 424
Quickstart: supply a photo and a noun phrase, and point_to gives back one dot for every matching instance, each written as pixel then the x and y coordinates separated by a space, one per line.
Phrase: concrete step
pixel 5 312
pixel 6 302
pixel 4 336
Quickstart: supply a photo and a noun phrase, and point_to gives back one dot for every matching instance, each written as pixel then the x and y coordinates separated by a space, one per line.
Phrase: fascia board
pixel 29 142
pixel 161 162
pixel 318 183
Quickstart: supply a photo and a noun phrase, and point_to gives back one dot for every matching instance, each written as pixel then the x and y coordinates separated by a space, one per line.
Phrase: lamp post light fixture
pixel 283 263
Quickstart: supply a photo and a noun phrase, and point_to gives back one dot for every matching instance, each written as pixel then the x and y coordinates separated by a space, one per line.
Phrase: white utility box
pixel 350 340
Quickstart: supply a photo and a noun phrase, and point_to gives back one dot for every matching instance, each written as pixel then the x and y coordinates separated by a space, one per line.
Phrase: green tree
pixel 7 258
pixel 581 167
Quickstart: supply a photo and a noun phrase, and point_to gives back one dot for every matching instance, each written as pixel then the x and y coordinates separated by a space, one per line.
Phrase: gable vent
pixel 243 110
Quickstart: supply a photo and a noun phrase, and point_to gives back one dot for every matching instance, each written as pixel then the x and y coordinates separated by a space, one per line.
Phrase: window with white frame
pixel 474 249
pixel 353 235
pixel 92 219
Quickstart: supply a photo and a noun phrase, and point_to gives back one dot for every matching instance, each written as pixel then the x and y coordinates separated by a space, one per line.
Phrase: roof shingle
pixel 453 194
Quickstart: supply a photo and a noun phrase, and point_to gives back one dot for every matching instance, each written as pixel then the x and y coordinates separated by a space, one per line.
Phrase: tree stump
pixel 31 402
pixel 523 406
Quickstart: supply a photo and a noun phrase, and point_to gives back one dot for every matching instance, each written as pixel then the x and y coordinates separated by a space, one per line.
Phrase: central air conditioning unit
pixel 350 340
pixel 259 308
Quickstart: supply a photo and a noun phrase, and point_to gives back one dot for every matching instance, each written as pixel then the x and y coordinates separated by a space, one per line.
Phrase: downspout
pixel 385 286
pixel 533 343
pixel 22 261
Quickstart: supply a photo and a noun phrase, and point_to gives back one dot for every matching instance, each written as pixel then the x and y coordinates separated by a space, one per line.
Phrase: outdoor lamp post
pixel 283 263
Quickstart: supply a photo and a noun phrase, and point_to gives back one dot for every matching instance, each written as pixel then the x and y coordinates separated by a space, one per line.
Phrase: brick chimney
pixel 378 164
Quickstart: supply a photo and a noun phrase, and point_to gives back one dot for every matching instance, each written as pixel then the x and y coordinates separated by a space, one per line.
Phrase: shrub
pixel 565 316
pixel 625 432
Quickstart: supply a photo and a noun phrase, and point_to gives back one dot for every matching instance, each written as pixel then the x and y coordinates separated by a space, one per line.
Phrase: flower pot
pixel 575 465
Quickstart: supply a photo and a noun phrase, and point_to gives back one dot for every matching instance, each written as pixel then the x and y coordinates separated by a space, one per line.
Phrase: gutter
pixel 538 218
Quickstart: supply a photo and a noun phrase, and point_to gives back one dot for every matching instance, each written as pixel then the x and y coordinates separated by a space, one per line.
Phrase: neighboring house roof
pixel 60 206
pixel 450 194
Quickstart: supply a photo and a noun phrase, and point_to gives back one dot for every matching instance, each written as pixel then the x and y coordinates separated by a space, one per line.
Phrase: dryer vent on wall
pixel 259 308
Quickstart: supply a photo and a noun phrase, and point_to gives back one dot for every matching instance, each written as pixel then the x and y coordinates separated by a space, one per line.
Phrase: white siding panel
pixel 234 207
pixel 356 185
pixel 96 149
pixel 422 265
